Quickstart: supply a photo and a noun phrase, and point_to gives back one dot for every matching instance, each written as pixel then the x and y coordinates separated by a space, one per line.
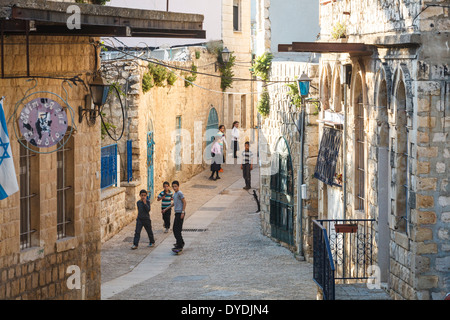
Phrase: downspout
pixel 344 145
pixel 299 185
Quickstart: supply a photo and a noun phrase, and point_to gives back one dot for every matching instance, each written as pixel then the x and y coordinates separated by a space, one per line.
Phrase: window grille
pixel 26 195
pixel 328 155
pixel 64 190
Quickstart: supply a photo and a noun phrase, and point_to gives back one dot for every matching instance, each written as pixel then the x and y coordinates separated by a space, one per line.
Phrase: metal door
pixel 282 190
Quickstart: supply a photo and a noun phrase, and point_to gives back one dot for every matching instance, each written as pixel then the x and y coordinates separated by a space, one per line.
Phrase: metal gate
pixel 150 166
pixel 282 190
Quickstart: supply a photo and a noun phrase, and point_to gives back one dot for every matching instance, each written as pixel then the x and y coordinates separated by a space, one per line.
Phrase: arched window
pixel 360 145
pixel 401 158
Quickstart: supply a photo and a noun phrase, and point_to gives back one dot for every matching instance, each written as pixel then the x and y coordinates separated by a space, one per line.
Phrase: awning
pixel 50 18
pixel 353 49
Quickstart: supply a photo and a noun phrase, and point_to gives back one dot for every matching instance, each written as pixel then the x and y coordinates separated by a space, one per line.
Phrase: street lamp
pixel 99 92
pixel 303 84
pixel 226 54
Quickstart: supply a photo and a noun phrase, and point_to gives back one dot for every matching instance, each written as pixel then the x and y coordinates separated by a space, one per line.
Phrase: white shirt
pixel 235 134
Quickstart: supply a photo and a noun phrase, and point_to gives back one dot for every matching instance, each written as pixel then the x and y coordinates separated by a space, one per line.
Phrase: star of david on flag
pixel 8 179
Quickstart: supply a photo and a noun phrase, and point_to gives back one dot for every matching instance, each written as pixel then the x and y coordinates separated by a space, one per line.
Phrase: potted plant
pixel 346 227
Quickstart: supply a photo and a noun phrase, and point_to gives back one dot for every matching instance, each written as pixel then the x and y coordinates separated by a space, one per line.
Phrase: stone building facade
pixel 392 107
pixel 39 267
pixel 287 216
pixel 173 153
pixel 50 230
pixel 162 110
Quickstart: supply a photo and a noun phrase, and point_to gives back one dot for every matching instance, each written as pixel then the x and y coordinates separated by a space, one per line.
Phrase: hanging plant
pixel 339 31
pixel 171 78
pixel 264 103
pixel 159 74
pixel 226 70
pixel 191 78
pixel 261 66
pixel 147 82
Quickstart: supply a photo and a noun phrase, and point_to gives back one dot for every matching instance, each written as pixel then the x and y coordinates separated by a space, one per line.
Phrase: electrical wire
pixel 158 62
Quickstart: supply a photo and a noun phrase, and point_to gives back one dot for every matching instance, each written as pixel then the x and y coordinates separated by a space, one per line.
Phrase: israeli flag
pixel 8 179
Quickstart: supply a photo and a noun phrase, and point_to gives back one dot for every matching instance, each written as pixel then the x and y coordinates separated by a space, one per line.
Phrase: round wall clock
pixel 43 122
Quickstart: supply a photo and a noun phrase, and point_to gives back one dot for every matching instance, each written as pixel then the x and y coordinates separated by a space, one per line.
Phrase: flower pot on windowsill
pixel 346 227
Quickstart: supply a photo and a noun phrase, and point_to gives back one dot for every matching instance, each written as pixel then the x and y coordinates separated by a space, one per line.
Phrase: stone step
pixel 359 291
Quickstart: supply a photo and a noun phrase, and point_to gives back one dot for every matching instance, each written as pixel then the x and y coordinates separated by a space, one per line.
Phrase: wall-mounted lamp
pixel 226 54
pixel 303 83
pixel 99 91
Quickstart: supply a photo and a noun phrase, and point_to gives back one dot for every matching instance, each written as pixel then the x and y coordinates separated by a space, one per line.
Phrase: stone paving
pixel 225 256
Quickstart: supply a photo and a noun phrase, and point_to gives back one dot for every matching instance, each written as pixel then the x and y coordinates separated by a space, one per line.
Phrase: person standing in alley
pixel 217 153
pixel 165 197
pixel 143 220
pixel 235 138
pixel 247 165
pixel 179 204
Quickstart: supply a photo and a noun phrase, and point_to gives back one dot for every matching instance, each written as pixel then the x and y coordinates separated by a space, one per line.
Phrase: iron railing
pixel 109 166
pixel 351 247
pixel 323 266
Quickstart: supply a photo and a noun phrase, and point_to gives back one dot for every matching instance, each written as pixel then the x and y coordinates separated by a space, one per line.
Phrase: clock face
pixel 43 122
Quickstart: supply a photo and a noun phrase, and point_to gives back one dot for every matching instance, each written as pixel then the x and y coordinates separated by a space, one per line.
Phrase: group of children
pixel 218 156
pixel 168 200
pixel 176 199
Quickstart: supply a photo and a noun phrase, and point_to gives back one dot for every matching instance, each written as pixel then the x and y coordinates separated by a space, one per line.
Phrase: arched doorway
pixel 282 191
pixel 212 126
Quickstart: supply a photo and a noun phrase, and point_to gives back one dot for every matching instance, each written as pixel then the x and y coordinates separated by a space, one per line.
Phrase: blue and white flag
pixel 8 179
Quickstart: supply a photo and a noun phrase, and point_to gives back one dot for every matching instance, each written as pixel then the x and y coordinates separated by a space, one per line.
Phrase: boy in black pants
pixel 179 204
pixel 143 220
pixel 247 165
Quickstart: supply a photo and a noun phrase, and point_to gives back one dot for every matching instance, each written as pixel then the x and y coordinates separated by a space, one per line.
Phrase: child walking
pixel 247 165
pixel 143 220
pixel 165 197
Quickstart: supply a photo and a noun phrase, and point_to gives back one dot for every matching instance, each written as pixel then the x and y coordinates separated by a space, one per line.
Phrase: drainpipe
pixel 344 143
pixel 300 183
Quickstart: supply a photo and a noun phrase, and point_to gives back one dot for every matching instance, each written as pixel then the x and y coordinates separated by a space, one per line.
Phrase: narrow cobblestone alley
pixel 225 257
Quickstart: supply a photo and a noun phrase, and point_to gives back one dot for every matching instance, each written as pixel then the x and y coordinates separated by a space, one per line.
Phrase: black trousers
pixel 246 172
pixel 235 148
pixel 177 228
pixel 147 224
pixel 166 218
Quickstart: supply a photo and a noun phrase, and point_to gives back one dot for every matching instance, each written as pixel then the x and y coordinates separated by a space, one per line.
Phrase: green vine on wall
pixel 261 69
pixel 226 70
pixel 263 106
pixel 261 66
pixel 293 93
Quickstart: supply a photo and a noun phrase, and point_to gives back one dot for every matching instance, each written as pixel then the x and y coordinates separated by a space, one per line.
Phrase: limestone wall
pixel 41 272
pixel 281 123
pixel 404 90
